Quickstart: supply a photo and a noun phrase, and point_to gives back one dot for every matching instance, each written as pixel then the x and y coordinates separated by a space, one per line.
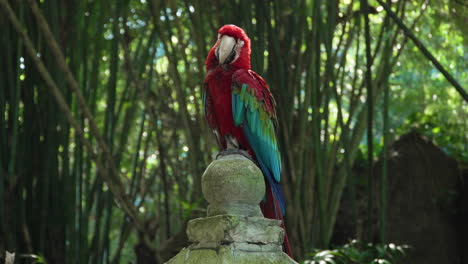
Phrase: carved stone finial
pixel 233 185
pixel 235 230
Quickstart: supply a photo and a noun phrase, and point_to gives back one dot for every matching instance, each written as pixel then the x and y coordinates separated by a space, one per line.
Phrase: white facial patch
pixel 227 46
pixel 238 48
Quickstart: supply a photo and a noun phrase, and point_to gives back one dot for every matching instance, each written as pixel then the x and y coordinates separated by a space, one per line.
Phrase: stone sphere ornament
pixel 235 230
pixel 233 184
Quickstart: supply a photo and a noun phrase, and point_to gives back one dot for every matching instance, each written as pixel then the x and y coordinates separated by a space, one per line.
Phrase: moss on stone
pixel 227 255
pixel 235 230
pixel 233 185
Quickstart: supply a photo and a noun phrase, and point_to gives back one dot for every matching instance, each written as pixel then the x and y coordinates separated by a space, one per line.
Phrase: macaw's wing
pixel 253 108
pixel 210 114
pixel 208 108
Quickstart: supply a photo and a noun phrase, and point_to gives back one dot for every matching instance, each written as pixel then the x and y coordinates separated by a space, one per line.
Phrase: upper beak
pixel 225 48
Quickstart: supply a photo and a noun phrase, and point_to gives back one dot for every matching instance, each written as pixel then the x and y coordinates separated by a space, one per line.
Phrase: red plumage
pixel 219 106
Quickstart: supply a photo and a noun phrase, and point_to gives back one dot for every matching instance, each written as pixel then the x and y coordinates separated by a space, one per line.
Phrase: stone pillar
pixel 235 230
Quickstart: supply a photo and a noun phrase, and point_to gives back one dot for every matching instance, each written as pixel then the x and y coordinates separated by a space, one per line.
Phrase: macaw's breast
pixel 219 84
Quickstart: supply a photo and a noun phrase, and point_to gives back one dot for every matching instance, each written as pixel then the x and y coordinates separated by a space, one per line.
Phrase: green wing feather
pixel 251 113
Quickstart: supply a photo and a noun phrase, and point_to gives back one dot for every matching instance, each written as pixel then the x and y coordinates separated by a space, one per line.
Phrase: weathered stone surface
pixel 233 184
pixel 235 228
pixel 227 255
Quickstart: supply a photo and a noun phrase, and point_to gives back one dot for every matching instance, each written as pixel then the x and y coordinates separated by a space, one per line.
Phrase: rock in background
pixel 427 204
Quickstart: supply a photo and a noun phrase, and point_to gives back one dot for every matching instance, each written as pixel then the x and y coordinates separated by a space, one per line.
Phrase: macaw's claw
pixel 232 151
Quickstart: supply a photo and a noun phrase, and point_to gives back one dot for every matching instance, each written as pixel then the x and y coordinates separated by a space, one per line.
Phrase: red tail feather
pixel 271 209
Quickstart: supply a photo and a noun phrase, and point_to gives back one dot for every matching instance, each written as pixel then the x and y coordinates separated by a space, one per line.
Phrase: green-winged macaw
pixel 240 110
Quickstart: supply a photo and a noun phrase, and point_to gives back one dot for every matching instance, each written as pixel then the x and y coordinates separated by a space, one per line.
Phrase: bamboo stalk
pixel 370 109
pixel 74 86
pixel 181 96
pixel 425 51
pixel 384 180
pixel 358 131
pixel 114 185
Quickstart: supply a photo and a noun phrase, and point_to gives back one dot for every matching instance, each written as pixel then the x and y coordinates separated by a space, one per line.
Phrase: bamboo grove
pixel 102 136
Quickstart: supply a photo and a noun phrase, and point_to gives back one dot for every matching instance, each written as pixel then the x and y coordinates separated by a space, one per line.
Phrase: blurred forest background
pixel 103 139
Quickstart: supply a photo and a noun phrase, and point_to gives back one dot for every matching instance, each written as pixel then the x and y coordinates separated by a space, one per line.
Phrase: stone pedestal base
pixel 227 255
pixel 233 239
pixel 235 230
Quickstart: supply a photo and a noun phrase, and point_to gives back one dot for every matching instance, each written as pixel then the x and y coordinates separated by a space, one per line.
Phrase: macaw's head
pixel 231 49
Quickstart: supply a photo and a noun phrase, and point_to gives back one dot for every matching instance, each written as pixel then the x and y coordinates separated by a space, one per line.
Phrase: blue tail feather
pixel 275 187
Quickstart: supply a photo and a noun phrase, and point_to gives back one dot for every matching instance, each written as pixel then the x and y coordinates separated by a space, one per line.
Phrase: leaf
pixel 436 130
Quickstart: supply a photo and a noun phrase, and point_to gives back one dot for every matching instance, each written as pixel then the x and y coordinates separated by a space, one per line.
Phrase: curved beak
pixel 225 48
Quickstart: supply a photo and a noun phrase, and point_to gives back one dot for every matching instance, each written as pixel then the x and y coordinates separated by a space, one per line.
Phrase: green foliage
pixel 357 252
pixel 443 129
pixel 40 259
pixel 188 208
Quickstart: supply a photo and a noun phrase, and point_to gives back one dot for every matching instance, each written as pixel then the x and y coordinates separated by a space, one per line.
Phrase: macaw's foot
pixel 232 151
